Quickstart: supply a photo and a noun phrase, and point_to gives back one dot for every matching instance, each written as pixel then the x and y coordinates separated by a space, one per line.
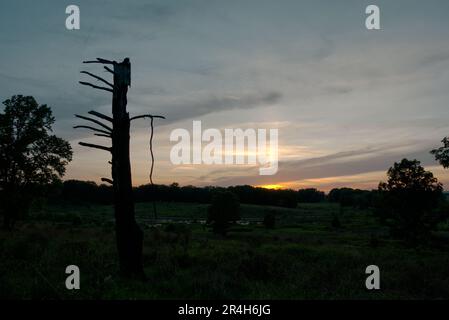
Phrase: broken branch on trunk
pixel 146 116
pixel 101 60
pixel 103 135
pixel 92 128
pixel 94 86
pixel 94 121
pixel 107 180
pixel 96 146
pixel 100 115
pixel 109 69
pixel 98 78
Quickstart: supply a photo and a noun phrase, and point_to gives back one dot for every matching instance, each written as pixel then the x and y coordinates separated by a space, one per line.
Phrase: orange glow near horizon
pixel 271 186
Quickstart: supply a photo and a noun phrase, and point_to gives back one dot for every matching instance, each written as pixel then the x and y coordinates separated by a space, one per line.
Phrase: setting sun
pixel 271 186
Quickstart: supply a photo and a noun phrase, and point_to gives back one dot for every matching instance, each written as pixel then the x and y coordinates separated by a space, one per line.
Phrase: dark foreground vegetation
pixel 218 244
pixel 226 247
pixel 303 257
pixel 211 242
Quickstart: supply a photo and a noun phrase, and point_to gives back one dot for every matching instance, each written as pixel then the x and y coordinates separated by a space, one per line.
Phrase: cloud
pixel 434 58
pixel 348 163
pixel 135 11
pixel 311 64
pixel 23 81
pixel 188 108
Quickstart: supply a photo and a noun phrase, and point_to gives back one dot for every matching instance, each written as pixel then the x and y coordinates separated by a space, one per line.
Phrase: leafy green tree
pixel 442 154
pixel 310 195
pixel 410 198
pixel 224 210
pixel 31 158
pixel 349 197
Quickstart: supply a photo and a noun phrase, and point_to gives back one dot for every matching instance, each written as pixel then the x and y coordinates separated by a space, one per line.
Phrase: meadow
pixel 306 255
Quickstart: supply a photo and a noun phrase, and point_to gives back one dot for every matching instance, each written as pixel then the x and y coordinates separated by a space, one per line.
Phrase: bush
pixel 269 220
pixel 289 199
pixel 225 209
pixel 16 206
pixel 336 222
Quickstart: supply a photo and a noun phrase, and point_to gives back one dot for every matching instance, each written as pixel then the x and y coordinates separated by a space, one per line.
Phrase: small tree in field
pixel 442 154
pixel 30 157
pixel 410 197
pixel 269 220
pixel 224 210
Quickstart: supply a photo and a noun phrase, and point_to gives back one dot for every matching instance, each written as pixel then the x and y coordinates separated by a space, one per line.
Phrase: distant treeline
pixel 88 191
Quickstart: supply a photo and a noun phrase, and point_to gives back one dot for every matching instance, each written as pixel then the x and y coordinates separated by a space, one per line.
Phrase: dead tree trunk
pixel 129 236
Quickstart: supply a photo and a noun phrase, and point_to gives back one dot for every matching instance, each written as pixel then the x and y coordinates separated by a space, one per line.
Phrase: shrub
pixel 224 209
pixel 269 220
pixel 336 222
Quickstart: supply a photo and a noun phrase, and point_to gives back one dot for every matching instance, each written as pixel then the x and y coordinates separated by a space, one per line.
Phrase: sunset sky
pixel 347 102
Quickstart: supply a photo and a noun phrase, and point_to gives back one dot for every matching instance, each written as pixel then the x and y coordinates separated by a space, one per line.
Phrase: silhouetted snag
pixel 128 234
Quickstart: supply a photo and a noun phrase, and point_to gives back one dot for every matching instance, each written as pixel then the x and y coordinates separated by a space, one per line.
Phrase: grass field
pixel 303 257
